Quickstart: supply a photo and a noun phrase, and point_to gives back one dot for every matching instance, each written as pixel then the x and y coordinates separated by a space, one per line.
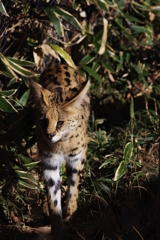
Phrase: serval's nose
pixel 50 135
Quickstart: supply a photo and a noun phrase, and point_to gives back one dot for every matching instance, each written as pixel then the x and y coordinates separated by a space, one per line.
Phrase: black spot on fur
pixel 49 167
pixel 65 67
pixel 72 183
pixel 50 182
pixel 70 195
pixel 72 155
pixel 73 89
pixel 83 145
pixel 68 81
pixel 59 98
pixel 54 79
pixel 55 203
pixel 58 70
pixel 75 160
pixel 77 135
pixel 57 187
pixel 46 154
pixel 67 74
pixel 82 116
pixel 74 149
pixel 82 161
pixel 74 170
pixel 59 90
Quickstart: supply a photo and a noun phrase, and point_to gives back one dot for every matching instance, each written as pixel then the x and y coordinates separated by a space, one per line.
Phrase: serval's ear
pixel 39 92
pixel 75 102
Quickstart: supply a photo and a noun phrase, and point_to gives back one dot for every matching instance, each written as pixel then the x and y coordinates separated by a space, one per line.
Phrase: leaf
pixel 31 165
pixel 67 16
pixel 5 68
pixel 102 5
pixel 2 9
pixel 92 73
pixel 21 62
pixel 120 171
pixel 88 58
pixel 46 48
pixel 104 37
pixel 22 71
pixel 24 158
pixel 6 106
pixel 55 20
pixel 23 100
pixel 27 185
pixel 12 81
pixel 37 54
pixel 130 18
pixel 108 67
pixel 128 152
pixel 132 108
pixel 8 93
pixel 139 29
pixel 63 54
pixel 27 176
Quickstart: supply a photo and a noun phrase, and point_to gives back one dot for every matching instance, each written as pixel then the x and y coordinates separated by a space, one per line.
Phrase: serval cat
pixel 62 108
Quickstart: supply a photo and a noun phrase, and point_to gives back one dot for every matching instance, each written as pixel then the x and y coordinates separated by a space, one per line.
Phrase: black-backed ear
pixel 75 103
pixel 39 92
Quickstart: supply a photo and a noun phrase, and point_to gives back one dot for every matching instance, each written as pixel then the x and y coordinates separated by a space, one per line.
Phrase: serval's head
pixel 53 118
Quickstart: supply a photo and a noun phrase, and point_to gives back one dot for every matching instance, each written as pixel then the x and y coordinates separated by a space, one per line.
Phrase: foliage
pixel 116 45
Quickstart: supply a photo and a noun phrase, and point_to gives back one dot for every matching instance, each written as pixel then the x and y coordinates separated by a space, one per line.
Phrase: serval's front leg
pixel 73 167
pixel 52 177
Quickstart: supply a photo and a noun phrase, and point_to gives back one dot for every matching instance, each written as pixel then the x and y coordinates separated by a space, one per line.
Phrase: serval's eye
pixel 59 124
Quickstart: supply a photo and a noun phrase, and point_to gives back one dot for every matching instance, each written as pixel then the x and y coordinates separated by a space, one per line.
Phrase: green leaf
pixel 121 170
pixel 2 9
pixel 141 173
pixel 31 165
pixel 19 69
pixel 6 106
pixel 22 62
pixel 67 16
pixel 132 108
pixel 128 152
pixel 108 67
pixel 63 54
pixel 92 73
pixel 27 176
pixel 5 70
pixel 8 93
pixel 23 100
pixel 131 18
pixel 27 185
pixel 102 5
pixel 88 58
pixel 55 20
pixel 12 81
pixel 24 158
pixel 139 29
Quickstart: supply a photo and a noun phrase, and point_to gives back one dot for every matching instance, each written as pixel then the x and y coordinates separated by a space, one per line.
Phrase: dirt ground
pixel 129 215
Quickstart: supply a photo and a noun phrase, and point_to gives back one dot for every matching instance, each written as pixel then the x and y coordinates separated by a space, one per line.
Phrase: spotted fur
pixel 62 111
